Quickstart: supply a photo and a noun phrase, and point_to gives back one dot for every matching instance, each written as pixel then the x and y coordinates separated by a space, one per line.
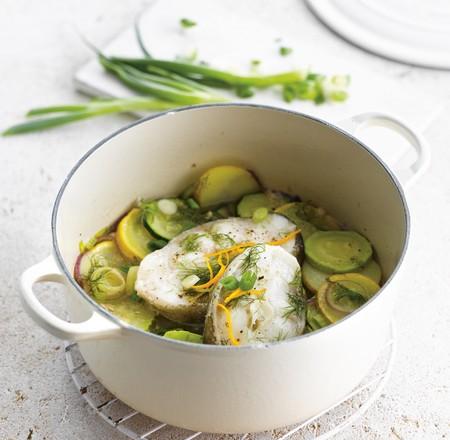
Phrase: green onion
pixel 190 281
pixel 186 23
pixel 92 109
pixel 285 51
pixel 199 72
pixel 248 280
pixel 230 282
pixel 160 87
pixel 244 91
pixel 192 203
pixel 156 243
pixel 260 214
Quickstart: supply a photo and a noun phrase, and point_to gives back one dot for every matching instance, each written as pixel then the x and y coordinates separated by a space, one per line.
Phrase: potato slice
pixel 224 184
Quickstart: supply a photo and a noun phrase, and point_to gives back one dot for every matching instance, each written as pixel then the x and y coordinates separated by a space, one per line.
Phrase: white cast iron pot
pixel 217 388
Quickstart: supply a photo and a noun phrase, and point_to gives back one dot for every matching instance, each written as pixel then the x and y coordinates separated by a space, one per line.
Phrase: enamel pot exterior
pixel 230 389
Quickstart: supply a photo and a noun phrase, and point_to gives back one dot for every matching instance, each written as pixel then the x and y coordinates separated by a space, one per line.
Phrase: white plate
pixel 411 31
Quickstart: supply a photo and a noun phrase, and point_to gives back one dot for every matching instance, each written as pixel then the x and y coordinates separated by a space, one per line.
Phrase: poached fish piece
pixel 273 309
pixel 177 279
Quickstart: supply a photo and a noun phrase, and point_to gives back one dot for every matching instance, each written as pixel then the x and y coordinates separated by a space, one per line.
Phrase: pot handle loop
pixel 95 327
pixel 407 176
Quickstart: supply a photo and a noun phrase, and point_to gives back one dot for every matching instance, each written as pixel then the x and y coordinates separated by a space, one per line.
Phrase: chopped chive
pixel 260 214
pixel 230 282
pixel 248 280
pixel 244 91
pixel 285 51
pixel 187 23
pixel 192 203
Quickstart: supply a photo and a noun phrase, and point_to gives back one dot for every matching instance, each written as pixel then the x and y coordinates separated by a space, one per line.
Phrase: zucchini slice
pixel 308 216
pixel 184 335
pixel 344 293
pixel 337 251
pixel 314 317
pixel 224 184
pixel 250 203
pixel 313 278
pixel 295 213
pixel 166 223
pixel 136 313
pixel 132 237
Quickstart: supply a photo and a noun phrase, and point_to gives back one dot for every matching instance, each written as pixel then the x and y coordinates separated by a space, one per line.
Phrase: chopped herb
pixel 246 300
pixel 289 92
pixel 249 263
pixel 260 214
pixel 230 282
pixel 192 203
pixel 223 240
pixel 296 299
pixel 201 271
pixel 190 243
pixel 297 280
pixel 248 280
pixel 156 244
pixel 187 23
pixel 244 91
pixel 296 305
pixel 285 51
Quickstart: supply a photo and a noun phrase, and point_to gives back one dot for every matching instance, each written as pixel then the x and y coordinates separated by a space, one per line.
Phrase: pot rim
pixel 222 348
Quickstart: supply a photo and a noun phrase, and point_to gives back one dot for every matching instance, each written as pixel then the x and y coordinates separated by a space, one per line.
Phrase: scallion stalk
pixel 73 113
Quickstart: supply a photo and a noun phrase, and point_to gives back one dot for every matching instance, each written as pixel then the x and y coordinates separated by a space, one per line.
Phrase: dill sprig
pixel 250 261
pixel 190 243
pixel 246 300
pixel 201 271
pixel 296 305
pixel 296 298
pixel 297 280
pixel 96 261
pixel 223 240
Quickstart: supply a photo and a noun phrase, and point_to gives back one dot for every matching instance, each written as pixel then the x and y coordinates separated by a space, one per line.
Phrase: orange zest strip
pixel 285 239
pixel 229 324
pixel 234 294
pixel 238 293
pixel 236 247
pixel 213 280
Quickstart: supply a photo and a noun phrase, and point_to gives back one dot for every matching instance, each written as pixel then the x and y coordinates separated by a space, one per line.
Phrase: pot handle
pixel 95 327
pixel 407 176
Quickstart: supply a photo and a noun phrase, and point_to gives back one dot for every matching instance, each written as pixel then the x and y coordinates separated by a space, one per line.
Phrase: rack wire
pixel 324 425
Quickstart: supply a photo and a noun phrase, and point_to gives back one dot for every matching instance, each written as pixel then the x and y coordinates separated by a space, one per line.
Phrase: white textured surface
pixel 40 52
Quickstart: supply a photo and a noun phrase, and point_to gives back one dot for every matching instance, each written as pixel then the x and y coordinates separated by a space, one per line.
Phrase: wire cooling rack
pixel 322 426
